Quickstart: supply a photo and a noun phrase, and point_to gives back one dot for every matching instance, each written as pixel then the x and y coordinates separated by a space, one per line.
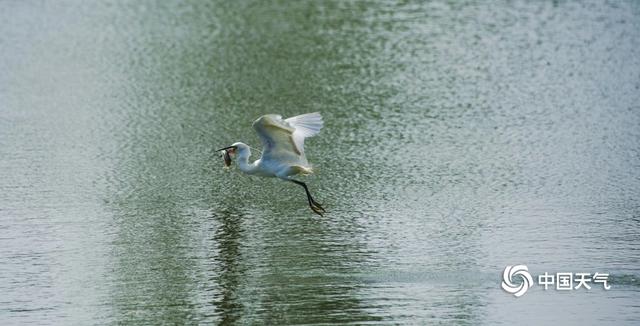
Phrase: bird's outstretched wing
pixel 283 140
pixel 305 125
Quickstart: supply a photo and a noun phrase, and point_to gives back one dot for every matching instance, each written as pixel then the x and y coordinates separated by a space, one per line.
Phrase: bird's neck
pixel 243 162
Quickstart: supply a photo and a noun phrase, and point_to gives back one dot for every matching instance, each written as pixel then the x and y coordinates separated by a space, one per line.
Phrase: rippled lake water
pixel 460 137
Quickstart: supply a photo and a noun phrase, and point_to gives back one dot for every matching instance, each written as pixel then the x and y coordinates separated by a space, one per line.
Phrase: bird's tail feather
pixel 306 170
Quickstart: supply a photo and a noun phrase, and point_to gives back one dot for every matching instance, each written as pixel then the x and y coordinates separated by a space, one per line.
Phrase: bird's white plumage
pixel 283 152
pixel 283 140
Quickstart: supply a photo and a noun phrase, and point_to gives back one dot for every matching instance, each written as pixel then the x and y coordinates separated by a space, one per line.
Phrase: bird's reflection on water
pixel 229 266
pixel 279 270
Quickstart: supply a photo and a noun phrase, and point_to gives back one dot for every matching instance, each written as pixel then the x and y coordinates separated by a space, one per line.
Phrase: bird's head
pixel 236 148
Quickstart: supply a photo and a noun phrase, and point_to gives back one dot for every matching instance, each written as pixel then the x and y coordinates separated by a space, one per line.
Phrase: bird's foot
pixel 317 205
pixel 316 209
pixel 313 202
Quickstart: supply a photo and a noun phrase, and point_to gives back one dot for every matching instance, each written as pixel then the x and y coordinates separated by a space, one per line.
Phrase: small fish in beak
pixel 227 159
pixel 226 155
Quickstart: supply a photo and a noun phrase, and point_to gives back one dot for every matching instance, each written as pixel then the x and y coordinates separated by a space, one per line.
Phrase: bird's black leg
pixel 315 207
pixel 310 198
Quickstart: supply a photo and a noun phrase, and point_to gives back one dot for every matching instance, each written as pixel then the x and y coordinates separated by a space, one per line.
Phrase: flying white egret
pixel 283 152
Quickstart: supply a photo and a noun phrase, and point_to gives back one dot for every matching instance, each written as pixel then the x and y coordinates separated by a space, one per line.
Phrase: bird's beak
pixel 229 147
